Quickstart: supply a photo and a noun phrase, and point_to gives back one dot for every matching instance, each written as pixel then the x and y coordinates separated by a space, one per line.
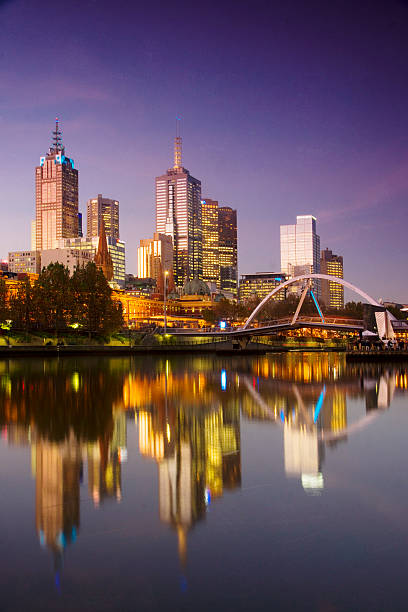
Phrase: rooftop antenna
pixel 177 146
pixel 56 146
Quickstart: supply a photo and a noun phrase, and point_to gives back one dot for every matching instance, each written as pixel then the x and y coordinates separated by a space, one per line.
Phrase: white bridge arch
pixel 296 279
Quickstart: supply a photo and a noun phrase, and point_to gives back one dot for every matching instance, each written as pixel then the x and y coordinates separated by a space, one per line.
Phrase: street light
pixel 166 273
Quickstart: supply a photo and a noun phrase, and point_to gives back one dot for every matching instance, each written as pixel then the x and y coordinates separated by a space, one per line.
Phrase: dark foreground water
pixel 272 483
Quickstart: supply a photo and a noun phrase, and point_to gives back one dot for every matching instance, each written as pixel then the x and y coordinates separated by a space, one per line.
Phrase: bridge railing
pixel 307 319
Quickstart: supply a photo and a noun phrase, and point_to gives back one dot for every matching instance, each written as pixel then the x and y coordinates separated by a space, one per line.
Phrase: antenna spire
pixel 177 146
pixel 56 146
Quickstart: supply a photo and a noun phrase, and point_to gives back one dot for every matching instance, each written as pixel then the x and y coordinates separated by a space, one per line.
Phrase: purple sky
pixel 287 108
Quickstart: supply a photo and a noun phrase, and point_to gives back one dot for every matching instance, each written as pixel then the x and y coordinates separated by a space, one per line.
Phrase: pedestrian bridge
pixel 252 328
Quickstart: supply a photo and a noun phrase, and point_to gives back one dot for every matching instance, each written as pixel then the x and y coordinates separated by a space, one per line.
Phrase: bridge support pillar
pixel 241 343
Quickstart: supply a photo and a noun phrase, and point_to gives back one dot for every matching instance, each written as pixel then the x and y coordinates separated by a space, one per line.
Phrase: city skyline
pixel 313 134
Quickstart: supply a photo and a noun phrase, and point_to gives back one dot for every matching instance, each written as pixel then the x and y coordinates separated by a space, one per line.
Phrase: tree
pixel 52 298
pixel 93 306
pixel 22 306
pixel 4 311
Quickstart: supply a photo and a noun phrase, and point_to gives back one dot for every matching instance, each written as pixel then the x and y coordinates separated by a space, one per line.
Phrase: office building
pixel 209 215
pixel 211 259
pixel 70 258
pixel 24 262
pixel 178 214
pixel 56 196
pixel 332 294
pixel 300 248
pixel 102 209
pixel 228 249
pixel 260 285
pixel 80 231
pixel 154 258
pixel 116 248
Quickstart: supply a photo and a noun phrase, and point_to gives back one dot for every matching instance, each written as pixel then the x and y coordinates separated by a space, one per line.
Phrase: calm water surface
pixel 271 483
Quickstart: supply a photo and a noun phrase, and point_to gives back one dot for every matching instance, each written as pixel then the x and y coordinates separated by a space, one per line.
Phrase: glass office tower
pixel 300 248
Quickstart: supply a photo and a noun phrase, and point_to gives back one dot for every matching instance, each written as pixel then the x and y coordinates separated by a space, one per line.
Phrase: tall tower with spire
pixel 178 214
pixel 56 195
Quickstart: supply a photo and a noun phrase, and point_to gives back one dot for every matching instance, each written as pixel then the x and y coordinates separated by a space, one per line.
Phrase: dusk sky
pixel 287 108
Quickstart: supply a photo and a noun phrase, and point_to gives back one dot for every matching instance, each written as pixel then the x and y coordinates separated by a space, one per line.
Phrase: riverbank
pixel 224 347
pixel 376 356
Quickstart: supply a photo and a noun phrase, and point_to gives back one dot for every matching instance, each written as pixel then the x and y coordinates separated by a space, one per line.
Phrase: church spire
pixel 177 147
pixel 102 259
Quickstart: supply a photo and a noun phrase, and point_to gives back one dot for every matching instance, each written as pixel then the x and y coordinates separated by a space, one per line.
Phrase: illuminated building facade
pixel 116 248
pixel 102 209
pixel 300 248
pixel 332 294
pixel 228 249
pixel 211 256
pixel 33 235
pixel 260 284
pixel 178 214
pixel 56 196
pixel 154 258
pixel 27 262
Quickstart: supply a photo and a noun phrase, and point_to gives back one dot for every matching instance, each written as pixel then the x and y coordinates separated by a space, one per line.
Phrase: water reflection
pixel 74 414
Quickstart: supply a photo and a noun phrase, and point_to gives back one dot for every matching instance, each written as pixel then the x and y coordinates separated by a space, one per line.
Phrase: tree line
pixel 58 302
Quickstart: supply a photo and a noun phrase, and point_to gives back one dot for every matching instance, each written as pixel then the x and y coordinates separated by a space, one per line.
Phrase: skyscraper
pixel 211 260
pixel 56 195
pixel 178 214
pixel 228 249
pixel 98 209
pixel 300 248
pixel 332 294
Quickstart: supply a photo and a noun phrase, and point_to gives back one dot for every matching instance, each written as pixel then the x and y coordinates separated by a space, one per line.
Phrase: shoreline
pixel 218 348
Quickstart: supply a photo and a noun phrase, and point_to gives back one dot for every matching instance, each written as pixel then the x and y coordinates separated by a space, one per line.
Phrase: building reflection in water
pixel 75 415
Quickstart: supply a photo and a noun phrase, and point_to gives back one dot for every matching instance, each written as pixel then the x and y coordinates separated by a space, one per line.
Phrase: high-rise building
pixel 178 214
pixel 211 255
pixel 102 209
pixel 56 196
pixel 154 258
pixel 332 294
pixel 228 249
pixel 300 248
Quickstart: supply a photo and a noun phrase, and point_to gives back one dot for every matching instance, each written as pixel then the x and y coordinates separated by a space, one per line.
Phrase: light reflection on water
pixel 86 424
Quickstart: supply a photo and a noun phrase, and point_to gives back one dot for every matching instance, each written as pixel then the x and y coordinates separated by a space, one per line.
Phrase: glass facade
pixel 98 209
pixel 178 214
pixel 260 285
pixel 332 294
pixel 211 260
pixel 300 248
pixel 56 196
pixel 228 249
